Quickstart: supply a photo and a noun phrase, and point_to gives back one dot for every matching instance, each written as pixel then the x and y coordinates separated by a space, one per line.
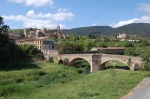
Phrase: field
pixel 52 81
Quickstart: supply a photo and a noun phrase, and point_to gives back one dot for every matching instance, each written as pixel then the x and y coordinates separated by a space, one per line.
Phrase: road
pixel 142 91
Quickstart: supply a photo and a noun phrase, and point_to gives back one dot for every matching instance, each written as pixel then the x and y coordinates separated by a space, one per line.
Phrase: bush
pixel 80 70
pixel 145 66
pixel 128 44
pixel 61 51
pixel 41 73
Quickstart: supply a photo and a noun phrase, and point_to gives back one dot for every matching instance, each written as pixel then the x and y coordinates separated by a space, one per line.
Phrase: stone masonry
pixel 97 61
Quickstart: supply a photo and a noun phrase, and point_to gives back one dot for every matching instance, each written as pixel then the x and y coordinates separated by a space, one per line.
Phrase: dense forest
pixel 139 29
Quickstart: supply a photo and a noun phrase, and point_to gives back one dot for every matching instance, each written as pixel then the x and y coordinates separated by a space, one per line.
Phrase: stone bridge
pixel 97 61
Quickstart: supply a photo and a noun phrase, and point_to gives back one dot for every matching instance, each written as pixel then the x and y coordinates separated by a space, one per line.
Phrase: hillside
pixel 87 30
pixel 139 29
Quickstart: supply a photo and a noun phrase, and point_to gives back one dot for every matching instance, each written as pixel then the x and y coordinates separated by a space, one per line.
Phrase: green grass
pixel 52 81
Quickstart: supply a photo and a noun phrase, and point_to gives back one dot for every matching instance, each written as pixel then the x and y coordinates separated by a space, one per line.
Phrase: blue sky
pixel 73 13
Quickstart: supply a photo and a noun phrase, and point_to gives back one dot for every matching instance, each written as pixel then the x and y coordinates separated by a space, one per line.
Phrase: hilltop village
pixel 43 39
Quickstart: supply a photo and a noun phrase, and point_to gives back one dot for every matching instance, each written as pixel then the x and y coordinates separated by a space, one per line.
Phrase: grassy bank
pixel 52 81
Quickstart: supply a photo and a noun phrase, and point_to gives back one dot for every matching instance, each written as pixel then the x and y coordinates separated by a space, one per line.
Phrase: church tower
pixel 26 32
pixel 58 28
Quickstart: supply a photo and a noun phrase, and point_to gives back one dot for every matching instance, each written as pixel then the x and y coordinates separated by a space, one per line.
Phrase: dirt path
pixel 142 91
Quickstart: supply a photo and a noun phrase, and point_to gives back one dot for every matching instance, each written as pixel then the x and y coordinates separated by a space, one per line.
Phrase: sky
pixel 19 14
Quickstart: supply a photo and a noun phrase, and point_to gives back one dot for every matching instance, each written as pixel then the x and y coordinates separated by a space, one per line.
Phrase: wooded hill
pixel 139 29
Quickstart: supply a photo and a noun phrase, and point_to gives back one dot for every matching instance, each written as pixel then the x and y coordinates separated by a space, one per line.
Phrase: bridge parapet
pixel 87 57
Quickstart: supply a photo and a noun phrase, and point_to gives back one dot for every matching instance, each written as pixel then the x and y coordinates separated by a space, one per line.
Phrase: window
pixel 52 46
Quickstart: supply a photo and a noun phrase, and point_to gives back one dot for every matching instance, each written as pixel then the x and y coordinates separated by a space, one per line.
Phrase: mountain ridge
pixel 139 29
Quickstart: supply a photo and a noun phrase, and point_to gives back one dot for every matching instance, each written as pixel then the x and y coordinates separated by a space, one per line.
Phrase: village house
pixel 124 36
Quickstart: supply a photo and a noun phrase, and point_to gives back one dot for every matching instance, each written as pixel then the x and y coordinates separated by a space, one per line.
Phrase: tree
pixel 81 63
pixel 20 33
pixel 9 51
pixel 144 43
pixel 3 28
pixel 146 65
pixel 4 41
pixel 101 44
pixel 30 49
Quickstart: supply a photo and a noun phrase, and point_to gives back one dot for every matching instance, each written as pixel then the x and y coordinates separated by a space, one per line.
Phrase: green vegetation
pixel 12 55
pixel 9 51
pixel 83 66
pixel 59 81
pixel 19 32
pixel 29 49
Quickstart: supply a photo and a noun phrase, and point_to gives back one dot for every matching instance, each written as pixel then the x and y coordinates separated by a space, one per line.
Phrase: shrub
pixel 41 73
pixel 80 70
pixel 128 44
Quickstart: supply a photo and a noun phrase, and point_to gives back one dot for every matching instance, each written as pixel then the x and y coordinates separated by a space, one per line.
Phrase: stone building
pixel 46 45
pixel 35 33
pixel 38 42
pixel 124 36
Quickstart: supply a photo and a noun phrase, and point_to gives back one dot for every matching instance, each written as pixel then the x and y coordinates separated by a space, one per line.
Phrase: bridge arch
pixel 73 63
pixel 60 61
pixel 124 66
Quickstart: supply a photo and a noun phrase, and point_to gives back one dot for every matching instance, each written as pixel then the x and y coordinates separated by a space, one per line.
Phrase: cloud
pixel 62 10
pixel 94 24
pixel 30 13
pixel 49 20
pixel 59 16
pixel 144 19
pixel 144 7
pixel 121 23
pixel 41 23
pixel 36 3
